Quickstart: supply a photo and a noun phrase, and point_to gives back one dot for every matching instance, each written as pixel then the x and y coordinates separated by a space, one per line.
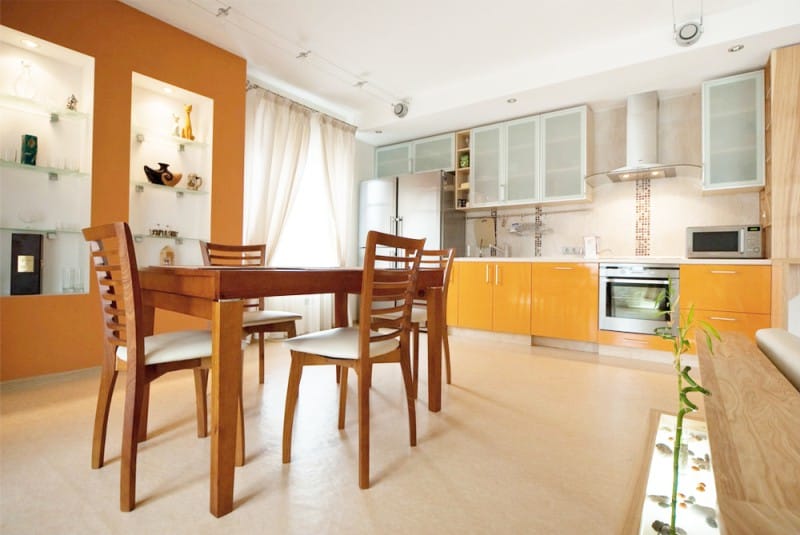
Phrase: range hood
pixel 641 145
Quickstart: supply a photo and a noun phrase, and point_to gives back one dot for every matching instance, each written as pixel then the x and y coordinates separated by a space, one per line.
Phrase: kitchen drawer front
pixel 564 301
pixel 732 288
pixel 739 322
pixel 638 341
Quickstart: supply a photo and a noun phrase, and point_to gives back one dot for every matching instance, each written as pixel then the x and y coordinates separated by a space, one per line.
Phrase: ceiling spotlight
pixel 379 131
pixel 360 83
pixel 736 48
pixel 223 11
pixel 401 109
pixel 303 54
pixel 687 33
pixel 30 44
pixel 512 100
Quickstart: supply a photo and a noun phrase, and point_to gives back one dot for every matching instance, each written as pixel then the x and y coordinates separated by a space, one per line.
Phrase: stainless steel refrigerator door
pixel 418 207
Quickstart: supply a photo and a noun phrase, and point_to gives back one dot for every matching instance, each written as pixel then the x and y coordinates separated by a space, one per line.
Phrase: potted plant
pixel 679 331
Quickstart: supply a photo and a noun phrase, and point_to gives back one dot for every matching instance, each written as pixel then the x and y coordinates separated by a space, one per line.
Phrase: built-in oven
pixel 632 297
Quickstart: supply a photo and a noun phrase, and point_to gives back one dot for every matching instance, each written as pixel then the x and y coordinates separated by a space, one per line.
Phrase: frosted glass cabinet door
pixel 434 153
pixel 393 160
pixel 563 154
pixel 486 166
pixel 733 131
pixel 522 159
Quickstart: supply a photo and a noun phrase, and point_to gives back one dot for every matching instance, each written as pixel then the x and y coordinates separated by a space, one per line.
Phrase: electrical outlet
pixel 572 250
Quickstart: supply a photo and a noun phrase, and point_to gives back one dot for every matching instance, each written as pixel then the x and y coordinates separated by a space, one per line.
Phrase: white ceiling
pixel 457 62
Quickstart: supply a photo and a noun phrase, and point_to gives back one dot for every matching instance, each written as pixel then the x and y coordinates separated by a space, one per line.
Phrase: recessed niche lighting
pixel 379 131
pixel 512 100
pixel 167 90
pixel 735 48
pixel 30 44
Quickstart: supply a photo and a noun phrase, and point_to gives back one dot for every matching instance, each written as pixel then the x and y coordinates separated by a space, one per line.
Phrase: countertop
pixel 621 259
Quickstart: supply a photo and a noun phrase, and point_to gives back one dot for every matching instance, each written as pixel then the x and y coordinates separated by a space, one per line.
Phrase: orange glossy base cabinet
pixel 494 296
pixel 564 303
pixel 730 297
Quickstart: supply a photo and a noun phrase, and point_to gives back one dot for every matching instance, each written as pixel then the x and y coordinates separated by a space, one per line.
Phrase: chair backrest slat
pixel 388 285
pixel 222 254
pixel 117 274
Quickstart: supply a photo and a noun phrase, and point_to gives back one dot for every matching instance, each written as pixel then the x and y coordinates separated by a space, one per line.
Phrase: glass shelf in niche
pixel 140 185
pixel 142 134
pixel 52 172
pixel 139 238
pixel 32 106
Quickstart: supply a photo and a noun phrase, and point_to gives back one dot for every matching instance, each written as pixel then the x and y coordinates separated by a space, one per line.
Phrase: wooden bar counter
pixel 753 417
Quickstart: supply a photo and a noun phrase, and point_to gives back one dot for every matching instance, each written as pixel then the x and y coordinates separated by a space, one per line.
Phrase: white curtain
pixel 276 151
pixel 309 179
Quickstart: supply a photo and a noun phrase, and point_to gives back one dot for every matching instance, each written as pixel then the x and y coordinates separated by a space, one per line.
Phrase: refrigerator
pixel 416 206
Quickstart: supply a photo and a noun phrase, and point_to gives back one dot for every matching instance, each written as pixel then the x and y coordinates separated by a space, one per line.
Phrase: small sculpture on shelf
pixel 167 256
pixel 177 129
pixel 194 182
pixel 186 131
pixel 72 103
pixel 162 176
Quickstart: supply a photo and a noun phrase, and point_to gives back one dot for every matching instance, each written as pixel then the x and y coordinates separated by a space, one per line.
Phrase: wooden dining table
pixel 216 293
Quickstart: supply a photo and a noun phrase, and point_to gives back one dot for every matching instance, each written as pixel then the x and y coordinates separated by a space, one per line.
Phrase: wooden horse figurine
pixel 186 131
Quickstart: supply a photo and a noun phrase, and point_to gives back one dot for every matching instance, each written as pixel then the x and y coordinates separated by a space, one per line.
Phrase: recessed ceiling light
pixel 512 100
pixel 379 131
pixel 735 48
pixel 30 44
pixel 167 89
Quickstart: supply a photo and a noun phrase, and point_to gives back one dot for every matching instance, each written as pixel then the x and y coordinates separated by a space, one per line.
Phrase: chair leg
pixel 410 397
pixel 200 389
pixel 239 460
pixel 260 358
pixel 363 426
pixel 145 404
pixel 342 396
pixel 446 341
pixel 292 391
pixel 108 377
pixel 415 372
pixel 134 399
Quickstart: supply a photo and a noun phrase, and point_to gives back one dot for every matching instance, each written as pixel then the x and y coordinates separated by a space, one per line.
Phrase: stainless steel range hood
pixel 641 145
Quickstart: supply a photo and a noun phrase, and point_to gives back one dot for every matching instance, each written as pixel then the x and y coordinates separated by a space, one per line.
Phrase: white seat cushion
pixel 339 343
pixel 264 317
pixel 174 346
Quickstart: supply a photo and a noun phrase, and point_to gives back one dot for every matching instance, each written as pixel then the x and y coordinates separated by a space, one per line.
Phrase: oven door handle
pixel 640 281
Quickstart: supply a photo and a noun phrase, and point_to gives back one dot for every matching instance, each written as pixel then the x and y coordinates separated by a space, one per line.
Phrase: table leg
pixel 226 370
pixel 435 320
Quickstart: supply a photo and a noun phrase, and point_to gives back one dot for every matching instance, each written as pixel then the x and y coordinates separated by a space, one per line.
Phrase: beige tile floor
pixel 530 440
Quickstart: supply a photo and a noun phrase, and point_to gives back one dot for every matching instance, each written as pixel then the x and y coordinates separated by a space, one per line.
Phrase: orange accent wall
pixel 48 334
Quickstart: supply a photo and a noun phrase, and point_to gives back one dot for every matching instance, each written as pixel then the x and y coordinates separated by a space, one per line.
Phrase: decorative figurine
pixel 72 103
pixel 30 146
pixel 186 131
pixel 177 131
pixel 194 182
pixel 167 256
pixel 162 176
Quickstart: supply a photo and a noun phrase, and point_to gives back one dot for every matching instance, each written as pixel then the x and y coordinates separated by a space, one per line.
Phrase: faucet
pixel 505 250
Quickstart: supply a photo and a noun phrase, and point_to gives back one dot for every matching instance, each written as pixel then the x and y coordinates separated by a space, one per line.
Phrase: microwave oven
pixel 736 241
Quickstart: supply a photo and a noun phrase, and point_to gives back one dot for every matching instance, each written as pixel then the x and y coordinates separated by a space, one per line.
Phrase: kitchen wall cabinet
pixel 462 162
pixel 730 297
pixel 733 132
pixel 532 160
pixel 169 219
pixel 564 300
pixel 495 296
pixel 434 153
pixel 51 197
pixel 564 155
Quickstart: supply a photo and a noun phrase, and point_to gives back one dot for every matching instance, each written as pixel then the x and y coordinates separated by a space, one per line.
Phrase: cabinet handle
pixel 563 268
pixel 720 318
pixel 635 341
pixel 487 273
pixel 723 272
pixel 497 274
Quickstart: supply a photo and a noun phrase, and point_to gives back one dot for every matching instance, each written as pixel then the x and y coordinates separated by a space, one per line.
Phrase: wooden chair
pixel 439 259
pixel 143 358
pixel 256 320
pixel 375 340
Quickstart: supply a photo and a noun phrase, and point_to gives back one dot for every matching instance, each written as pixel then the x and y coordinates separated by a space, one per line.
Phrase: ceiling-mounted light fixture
pixel 687 33
pixel 30 44
pixel 401 109
pixel 512 100
pixel 736 48
pixel 223 11
pixel 303 54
